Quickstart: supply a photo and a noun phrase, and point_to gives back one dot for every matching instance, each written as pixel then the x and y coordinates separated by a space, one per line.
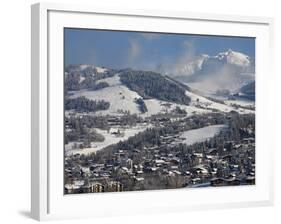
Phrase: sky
pixel 140 50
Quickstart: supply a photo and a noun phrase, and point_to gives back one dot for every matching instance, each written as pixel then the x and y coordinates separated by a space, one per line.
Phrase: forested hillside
pixel 154 85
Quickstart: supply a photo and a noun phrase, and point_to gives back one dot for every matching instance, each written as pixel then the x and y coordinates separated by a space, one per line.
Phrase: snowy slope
pixel 111 81
pixel 197 100
pixel 155 106
pixel 97 68
pixel 119 97
pixel 227 70
pixel 122 99
pixel 234 57
pixel 109 140
pixel 201 134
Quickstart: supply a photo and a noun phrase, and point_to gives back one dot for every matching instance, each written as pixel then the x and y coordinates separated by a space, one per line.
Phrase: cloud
pixel 150 36
pixel 179 65
pixel 188 55
pixel 189 45
pixel 93 59
pixel 134 50
pixel 226 76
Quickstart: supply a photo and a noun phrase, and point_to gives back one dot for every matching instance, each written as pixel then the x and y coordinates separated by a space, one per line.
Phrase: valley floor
pixel 163 152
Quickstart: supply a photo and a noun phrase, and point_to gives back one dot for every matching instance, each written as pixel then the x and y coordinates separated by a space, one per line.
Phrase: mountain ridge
pixel 132 90
pixel 226 70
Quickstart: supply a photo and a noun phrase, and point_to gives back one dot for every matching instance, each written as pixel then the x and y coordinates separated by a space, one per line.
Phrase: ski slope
pixel 122 99
pixel 110 139
pixel 201 134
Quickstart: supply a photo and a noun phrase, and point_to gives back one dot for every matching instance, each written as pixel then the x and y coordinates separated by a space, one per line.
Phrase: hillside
pixel 137 92
pixel 154 85
pixel 249 90
pixel 227 70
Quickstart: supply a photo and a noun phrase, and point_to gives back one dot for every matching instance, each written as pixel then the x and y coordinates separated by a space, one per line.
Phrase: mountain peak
pixel 234 57
pixel 229 50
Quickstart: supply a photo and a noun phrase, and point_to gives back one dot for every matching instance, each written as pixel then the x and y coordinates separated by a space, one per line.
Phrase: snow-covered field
pixel 209 104
pixel 111 81
pixel 122 99
pixel 241 102
pixel 238 100
pixel 119 97
pixel 110 139
pixel 99 69
pixel 155 106
pixel 190 137
pixel 201 134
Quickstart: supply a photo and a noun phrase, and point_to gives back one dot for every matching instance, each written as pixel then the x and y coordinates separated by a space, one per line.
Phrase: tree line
pixel 82 104
pixel 153 85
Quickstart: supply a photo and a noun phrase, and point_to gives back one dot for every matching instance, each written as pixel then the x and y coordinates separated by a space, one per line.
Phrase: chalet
pixel 138 179
pixel 233 175
pixel 85 170
pixel 209 157
pixel 125 169
pixel 96 187
pixel 217 182
pixel 237 146
pixel 139 172
pixel 174 167
pixel 75 187
pixel 114 131
pixel 227 158
pixel 196 180
pixel 234 167
pixel 114 186
pixel 212 151
pixel 153 169
pixel 170 173
pixel 104 174
pixel 200 170
pixel 198 157
pixel 86 188
pixel 159 162
pixel 248 140
pixel 129 164
pixel 177 172
pixel 214 172
pixel 71 188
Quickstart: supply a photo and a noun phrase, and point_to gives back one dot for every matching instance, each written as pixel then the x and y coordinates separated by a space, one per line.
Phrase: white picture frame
pixel 47 200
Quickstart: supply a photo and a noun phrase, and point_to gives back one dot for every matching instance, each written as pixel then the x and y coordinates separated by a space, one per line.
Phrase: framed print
pixel 162 111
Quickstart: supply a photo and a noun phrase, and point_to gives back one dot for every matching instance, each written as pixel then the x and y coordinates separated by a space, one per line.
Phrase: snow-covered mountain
pixel 122 88
pixel 85 69
pixel 234 58
pixel 227 70
pixel 248 91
